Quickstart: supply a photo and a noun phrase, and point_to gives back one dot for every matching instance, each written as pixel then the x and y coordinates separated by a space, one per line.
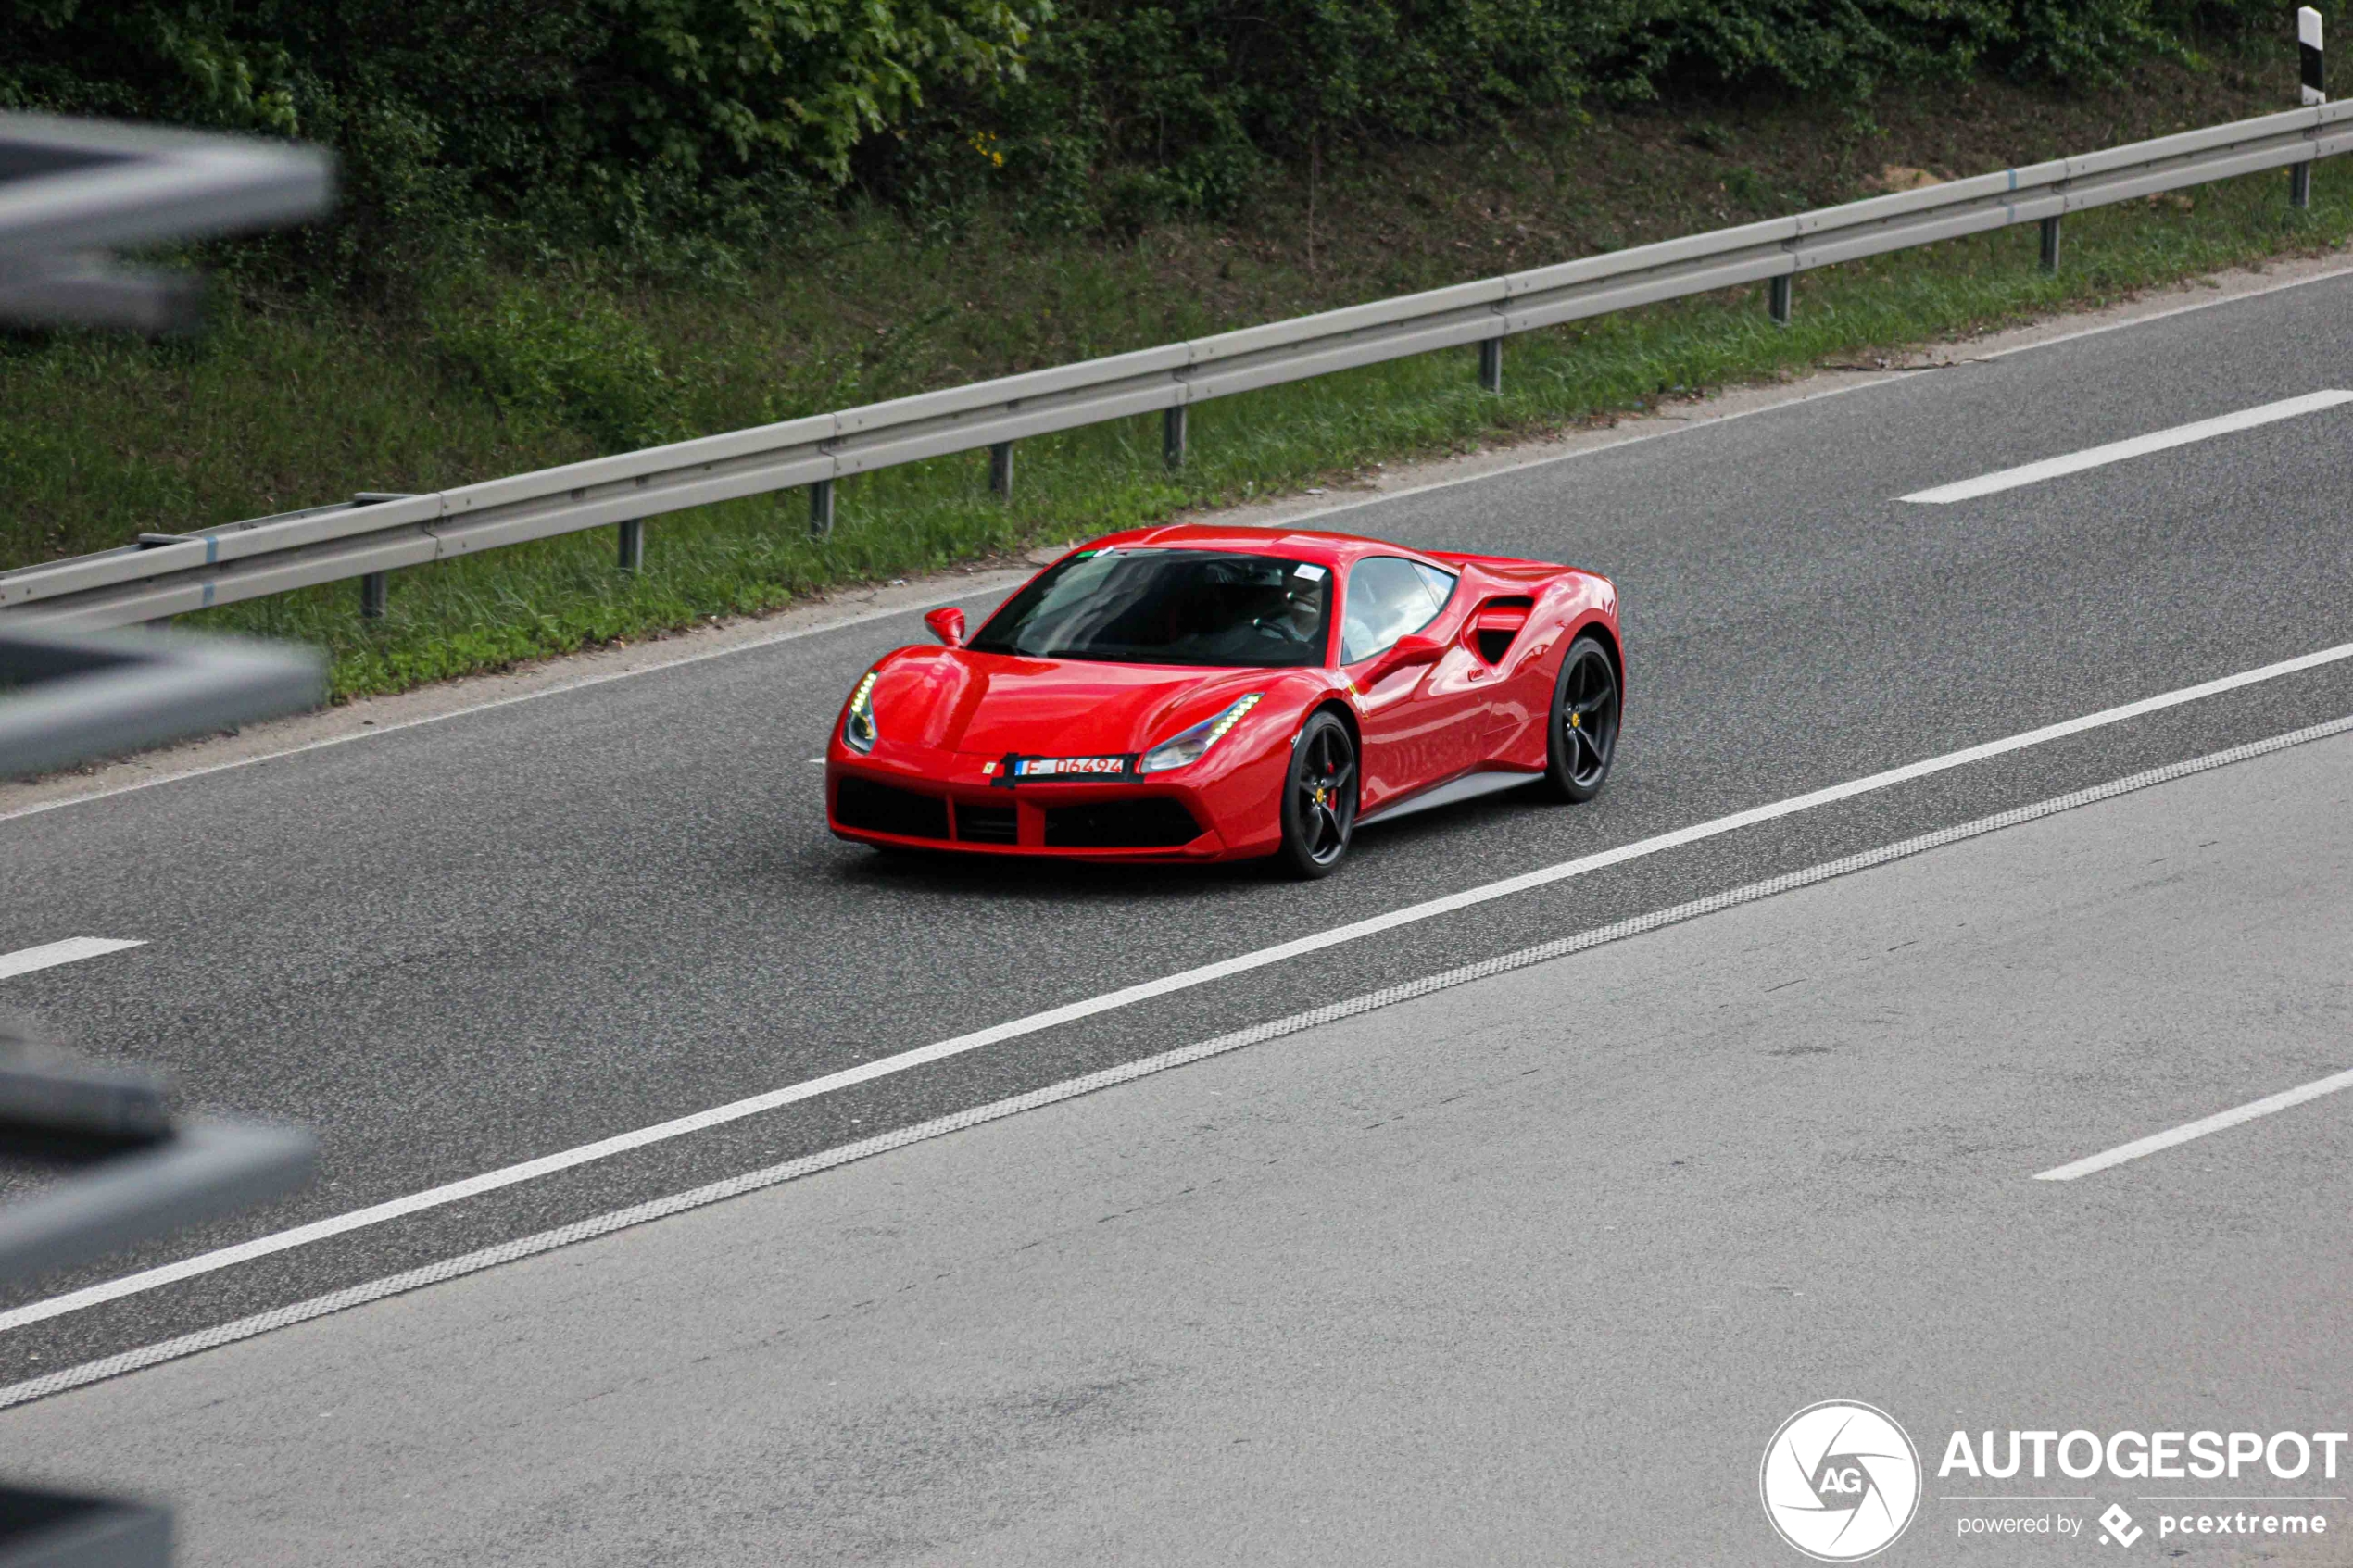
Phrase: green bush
pixel 565 360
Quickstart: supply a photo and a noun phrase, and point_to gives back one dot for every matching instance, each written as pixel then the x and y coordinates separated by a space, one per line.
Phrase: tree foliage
pixel 657 121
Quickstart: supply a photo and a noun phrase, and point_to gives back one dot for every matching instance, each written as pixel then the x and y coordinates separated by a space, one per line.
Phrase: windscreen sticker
pixel 1313 572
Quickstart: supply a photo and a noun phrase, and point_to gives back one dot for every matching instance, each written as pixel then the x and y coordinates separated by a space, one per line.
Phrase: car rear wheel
pixel 1584 723
pixel 1319 800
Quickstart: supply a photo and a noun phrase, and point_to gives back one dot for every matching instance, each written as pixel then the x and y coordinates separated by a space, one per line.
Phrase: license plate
pixel 1066 766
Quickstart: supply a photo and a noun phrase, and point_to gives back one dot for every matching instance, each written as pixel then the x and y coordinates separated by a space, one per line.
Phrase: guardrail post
pixel 1777 300
pixel 376 587
pixel 1172 437
pixel 1000 471
pixel 1490 364
pixel 821 509
pixel 2050 244
pixel 633 544
pixel 2313 88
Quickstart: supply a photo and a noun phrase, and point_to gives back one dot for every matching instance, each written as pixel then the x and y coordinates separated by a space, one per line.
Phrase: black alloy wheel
pixel 1319 798
pixel 1584 727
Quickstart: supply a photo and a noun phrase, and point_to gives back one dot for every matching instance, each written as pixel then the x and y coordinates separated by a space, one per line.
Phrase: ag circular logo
pixel 1840 1480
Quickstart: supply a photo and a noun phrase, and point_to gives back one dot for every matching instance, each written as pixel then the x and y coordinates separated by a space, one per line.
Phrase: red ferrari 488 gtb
pixel 1199 694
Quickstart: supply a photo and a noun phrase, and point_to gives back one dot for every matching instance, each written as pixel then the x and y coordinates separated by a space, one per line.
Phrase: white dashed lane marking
pixel 2138 445
pixel 73 949
pixel 2268 1105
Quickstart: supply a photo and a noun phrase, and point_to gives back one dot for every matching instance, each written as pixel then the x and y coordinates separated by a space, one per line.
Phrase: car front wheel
pixel 1319 800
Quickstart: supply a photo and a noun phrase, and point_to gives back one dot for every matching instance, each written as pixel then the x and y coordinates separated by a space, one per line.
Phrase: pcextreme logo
pixel 1840 1481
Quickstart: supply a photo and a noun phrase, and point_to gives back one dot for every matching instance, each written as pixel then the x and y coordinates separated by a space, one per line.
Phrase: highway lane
pixel 505 933
pixel 1443 1283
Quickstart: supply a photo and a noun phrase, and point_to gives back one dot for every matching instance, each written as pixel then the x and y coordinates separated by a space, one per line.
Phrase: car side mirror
pixel 946 623
pixel 1404 654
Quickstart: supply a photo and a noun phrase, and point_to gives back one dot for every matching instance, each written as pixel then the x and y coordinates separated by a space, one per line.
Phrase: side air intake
pixel 1498 624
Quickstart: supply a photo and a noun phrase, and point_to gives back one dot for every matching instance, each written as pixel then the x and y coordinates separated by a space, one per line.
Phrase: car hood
pixel 986 704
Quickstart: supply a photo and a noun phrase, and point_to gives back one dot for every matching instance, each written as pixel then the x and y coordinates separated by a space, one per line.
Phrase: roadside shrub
pixel 571 359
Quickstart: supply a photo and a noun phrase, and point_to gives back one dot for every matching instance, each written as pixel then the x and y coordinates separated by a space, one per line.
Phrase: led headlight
pixel 1178 751
pixel 858 724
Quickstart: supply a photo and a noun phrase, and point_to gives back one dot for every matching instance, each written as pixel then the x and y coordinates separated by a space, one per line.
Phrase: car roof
pixel 1296 544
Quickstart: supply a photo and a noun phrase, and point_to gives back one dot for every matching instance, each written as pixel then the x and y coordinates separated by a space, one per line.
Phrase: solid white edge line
pixel 1069 1012
pixel 661 1207
pixel 2197 1129
pixel 73 949
pixel 2131 447
pixel 1890 378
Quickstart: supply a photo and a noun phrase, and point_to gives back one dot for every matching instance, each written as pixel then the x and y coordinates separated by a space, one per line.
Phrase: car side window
pixel 1389 598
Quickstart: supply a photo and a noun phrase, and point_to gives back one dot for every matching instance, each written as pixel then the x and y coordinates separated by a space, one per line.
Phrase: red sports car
pixel 1204 694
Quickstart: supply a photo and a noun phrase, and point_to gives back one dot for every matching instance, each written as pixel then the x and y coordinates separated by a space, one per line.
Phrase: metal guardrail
pixel 373 535
pixel 72 189
pixel 66 699
pixel 202 1171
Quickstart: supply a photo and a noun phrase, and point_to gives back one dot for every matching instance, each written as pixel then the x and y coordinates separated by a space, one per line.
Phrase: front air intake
pixel 1155 823
pixel 987 824
pixel 878 808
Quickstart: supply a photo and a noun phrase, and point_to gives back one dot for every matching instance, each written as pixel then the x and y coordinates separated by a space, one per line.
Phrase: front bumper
pixel 945 801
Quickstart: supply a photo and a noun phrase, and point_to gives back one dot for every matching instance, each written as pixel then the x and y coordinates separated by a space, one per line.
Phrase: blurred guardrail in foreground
pixel 94 1157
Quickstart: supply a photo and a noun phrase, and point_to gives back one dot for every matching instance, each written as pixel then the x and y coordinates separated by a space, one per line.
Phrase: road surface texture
pixel 1525 1270
pixel 464 945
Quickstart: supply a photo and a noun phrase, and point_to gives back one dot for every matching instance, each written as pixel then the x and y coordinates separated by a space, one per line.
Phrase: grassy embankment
pixel 287 405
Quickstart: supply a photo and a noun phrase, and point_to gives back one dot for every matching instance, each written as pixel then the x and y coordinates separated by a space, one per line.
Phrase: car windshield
pixel 1169 607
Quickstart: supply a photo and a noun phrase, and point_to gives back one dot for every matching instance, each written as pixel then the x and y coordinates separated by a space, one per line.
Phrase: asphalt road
pixel 487 939
pixel 1527 1270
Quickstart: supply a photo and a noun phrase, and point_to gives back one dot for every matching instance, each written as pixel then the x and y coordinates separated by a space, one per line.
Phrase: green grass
pixel 498 373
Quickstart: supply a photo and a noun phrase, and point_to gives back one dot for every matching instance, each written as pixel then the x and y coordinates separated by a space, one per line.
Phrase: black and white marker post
pixel 2307 50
